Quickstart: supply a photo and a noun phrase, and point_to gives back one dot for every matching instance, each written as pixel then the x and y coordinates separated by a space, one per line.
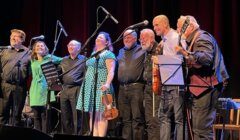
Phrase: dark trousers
pixel 171 112
pixel 11 100
pixel 203 114
pixel 130 101
pixel 153 125
pixel 70 116
pixel 39 116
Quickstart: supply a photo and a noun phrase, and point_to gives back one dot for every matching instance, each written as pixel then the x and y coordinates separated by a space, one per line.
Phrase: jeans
pixel 171 108
pixel 130 101
pixel 153 123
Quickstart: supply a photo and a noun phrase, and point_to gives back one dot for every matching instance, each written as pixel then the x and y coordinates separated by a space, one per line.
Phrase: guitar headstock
pixel 185 25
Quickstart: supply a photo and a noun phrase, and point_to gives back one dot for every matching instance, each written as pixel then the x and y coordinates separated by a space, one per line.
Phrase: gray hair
pixel 148 31
pixel 193 21
pixel 132 32
pixel 76 43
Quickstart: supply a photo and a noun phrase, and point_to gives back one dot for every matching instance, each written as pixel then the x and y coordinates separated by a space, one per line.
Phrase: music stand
pixel 50 72
pixel 171 72
pixel 51 75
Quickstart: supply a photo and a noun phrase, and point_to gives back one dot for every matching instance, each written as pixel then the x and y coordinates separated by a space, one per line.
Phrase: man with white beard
pixel 148 43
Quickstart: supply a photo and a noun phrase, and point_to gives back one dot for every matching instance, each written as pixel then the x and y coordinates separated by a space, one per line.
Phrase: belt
pixel 131 84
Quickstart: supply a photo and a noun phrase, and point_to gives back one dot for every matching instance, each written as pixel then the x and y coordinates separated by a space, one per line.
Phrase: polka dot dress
pixel 89 83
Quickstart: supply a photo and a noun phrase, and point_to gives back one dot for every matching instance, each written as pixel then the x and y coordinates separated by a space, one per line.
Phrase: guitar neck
pixel 179 40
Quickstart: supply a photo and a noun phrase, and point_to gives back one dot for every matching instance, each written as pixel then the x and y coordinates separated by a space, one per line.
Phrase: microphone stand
pixel 97 24
pixel 57 36
pixel 30 45
pixel 48 106
pixel 15 101
pixel 96 55
pixel 94 33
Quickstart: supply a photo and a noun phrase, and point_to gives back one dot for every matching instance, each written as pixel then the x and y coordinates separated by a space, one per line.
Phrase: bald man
pixel 72 81
pixel 171 101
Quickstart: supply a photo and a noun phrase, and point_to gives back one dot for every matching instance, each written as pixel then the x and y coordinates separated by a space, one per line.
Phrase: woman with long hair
pixel 39 88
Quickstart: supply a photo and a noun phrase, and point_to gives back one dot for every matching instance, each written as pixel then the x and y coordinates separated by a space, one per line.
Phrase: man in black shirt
pixel 148 44
pixel 14 64
pixel 130 97
pixel 72 80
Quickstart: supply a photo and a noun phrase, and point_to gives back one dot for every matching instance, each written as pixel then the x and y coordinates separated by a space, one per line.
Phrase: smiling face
pixel 146 39
pixel 40 48
pixel 161 25
pixel 130 37
pixel 73 47
pixel 16 39
pixel 158 27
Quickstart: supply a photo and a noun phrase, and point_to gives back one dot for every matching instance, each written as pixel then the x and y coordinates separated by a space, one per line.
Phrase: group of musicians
pixel 147 108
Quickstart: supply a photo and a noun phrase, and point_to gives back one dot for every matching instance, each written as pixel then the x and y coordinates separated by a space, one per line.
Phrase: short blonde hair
pixel 21 32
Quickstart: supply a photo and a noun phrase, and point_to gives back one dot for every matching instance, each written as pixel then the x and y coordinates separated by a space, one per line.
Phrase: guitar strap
pixel 193 40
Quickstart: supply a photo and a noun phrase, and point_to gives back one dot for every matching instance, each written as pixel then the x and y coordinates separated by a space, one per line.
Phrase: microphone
pixel 114 19
pixel 38 37
pixel 5 47
pixel 144 23
pixel 62 28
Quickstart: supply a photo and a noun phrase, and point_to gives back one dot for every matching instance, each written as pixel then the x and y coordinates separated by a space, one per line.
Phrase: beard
pixel 146 46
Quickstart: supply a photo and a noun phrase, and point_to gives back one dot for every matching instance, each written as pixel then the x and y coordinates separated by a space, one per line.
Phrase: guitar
pixel 110 112
pixel 189 62
pixel 183 29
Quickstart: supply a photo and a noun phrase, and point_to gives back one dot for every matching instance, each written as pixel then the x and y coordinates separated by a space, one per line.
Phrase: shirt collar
pixel 168 35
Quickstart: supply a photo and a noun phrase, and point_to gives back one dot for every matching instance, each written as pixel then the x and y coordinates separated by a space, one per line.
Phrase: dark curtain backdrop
pixel 36 17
